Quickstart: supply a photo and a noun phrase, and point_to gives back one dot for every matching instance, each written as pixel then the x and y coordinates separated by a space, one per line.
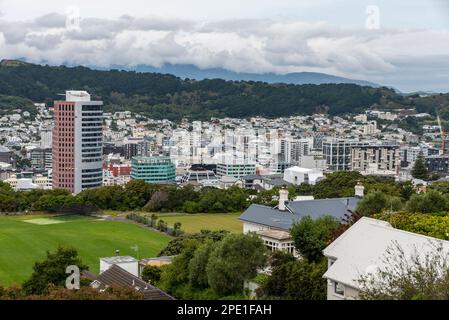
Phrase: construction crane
pixel 443 135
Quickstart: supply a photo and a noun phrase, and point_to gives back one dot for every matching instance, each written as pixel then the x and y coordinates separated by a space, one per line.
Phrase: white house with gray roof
pixel 361 250
pixel 259 218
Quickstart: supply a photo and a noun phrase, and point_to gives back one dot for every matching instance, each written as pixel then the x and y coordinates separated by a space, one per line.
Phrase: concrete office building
pixel 382 159
pixel 338 153
pixel 236 170
pixel 153 169
pixel 41 159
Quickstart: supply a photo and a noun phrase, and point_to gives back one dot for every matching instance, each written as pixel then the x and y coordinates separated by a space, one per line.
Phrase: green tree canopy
pixel 376 202
pixel 234 260
pixel 419 170
pixel 312 236
pixel 52 270
pixel 429 202
pixel 151 274
pixel 296 280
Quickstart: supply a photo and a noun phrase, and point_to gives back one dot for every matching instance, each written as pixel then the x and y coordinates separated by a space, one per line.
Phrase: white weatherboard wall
pixel 253 227
pixel 130 265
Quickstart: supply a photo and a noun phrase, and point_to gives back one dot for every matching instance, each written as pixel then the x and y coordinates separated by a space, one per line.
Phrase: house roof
pixel 278 182
pixel 316 208
pixel 268 216
pixel 117 276
pixel 362 248
pixel 284 220
pixel 250 177
pixel 119 259
pixel 301 169
pixel 163 258
pixel 275 234
pixel 85 274
pixel 228 179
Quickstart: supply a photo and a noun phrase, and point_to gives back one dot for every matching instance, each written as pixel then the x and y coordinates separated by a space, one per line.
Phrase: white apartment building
pixel 297 175
pixel 293 149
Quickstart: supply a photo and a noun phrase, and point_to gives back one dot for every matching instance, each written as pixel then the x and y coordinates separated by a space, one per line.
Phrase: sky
pixel 404 44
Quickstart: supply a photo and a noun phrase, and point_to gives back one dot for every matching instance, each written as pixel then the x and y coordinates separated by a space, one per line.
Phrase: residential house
pixel 361 251
pixel 116 276
pixel 273 224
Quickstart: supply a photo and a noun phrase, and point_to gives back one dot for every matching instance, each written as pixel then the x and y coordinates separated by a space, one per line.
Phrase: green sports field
pixel 196 222
pixel 24 240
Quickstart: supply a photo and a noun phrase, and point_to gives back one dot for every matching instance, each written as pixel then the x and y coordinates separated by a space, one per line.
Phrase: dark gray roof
pixel 119 277
pixel 85 274
pixel 268 216
pixel 284 220
pixel 252 177
pixel 278 182
pixel 337 207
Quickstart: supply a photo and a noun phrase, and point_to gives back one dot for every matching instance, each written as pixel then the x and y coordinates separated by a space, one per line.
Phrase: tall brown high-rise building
pixel 77 142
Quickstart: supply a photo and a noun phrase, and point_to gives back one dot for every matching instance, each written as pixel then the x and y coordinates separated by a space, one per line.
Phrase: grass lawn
pixel 24 241
pixel 192 223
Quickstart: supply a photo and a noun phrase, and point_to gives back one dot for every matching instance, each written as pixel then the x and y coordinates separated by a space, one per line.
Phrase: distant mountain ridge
pixel 185 71
pixel 166 96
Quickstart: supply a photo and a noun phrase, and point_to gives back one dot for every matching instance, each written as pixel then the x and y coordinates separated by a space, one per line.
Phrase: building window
pixel 339 289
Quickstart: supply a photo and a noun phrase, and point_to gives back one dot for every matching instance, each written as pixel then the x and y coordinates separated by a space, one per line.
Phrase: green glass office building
pixel 153 169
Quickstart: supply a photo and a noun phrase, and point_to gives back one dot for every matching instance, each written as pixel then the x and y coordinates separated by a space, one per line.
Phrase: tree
pixel 337 184
pixel 151 274
pixel 177 245
pixel 197 266
pixel 312 236
pixel 442 187
pixel 430 202
pixel 235 259
pixel 177 228
pixel 432 225
pixel 406 190
pixel 137 193
pixel 161 225
pixel 279 257
pixel 191 207
pixel 420 275
pixel 305 189
pixel 176 275
pixel 52 271
pixel 157 201
pixel 296 280
pixel 154 217
pixel 419 170
pixel 84 293
pixel 376 202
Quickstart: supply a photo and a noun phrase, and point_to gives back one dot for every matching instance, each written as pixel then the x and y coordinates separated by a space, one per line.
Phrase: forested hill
pixel 166 96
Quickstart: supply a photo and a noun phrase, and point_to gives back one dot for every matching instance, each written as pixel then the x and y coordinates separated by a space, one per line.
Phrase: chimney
pixel 283 198
pixel 359 190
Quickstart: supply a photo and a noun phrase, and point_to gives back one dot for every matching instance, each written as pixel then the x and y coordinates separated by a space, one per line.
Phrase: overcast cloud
pixel 412 58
